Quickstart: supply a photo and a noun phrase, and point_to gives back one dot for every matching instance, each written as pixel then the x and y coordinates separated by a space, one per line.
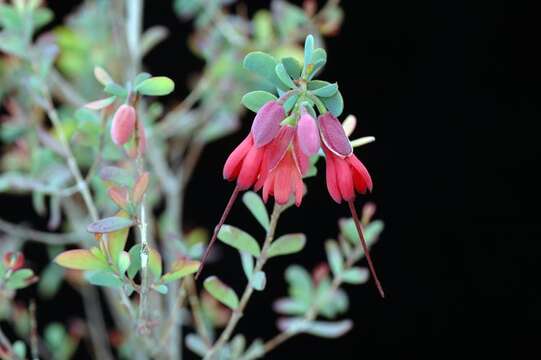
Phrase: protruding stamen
pixel 365 247
pixel 218 227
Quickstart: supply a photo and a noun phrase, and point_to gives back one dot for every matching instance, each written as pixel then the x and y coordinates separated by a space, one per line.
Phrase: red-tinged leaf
pixel 102 76
pixel 100 104
pixel 180 269
pixel 116 241
pixel 119 195
pixel 117 176
pixel 80 259
pixel 141 187
pixel 109 224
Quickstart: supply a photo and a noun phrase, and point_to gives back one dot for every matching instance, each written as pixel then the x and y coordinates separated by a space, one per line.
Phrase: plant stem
pixel 39 236
pixel 144 293
pixel 248 291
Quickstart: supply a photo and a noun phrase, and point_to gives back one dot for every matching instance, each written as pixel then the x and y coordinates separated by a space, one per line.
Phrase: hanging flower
pixel 266 123
pixel 123 124
pixel 244 163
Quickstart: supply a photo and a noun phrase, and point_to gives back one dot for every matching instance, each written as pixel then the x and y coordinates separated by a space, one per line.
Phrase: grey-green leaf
pixel 259 280
pixel 256 206
pixel 336 263
pixel 254 100
pixel 287 244
pixel 103 278
pixel 328 329
pixel 335 103
pixel 354 276
pixel 109 224
pixel 326 91
pixel 284 76
pixel 308 51
pixel 247 262
pixel 156 86
pixel 263 64
pixel 221 292
pixel 239 239
pixel 196 344
pixel 293 67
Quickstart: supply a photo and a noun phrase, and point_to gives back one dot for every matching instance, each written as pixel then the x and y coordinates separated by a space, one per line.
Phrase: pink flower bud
pixel 123 124
pixel 13 260
pixel 308 135
pixel 267 123
pixel 334 136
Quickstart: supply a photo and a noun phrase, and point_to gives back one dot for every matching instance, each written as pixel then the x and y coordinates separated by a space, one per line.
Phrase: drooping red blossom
pixel 266 123
pixel 308 134
pixel 123 124
pixel 345 176
pixel 333 135
pixel 244 163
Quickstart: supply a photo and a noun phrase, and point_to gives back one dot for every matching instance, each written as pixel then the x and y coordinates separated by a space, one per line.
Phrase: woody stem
pixel 218 227
pixel 248 291
pixel 365 247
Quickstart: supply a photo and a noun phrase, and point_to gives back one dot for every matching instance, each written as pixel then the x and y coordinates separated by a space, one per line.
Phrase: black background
pixel 451 91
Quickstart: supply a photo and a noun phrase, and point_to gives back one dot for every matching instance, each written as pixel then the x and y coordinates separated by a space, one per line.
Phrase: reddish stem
pixel 365 247
pixel 218 227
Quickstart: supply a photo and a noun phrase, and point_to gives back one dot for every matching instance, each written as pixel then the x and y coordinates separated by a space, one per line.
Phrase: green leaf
pixel 293 67
pixel 50 280
pixel 284 76
pixel 96 105
pixel 162 289
pixel 156 86
pixel 135 260
pixel 259 280
pixel 110 224
pixel 262 24
pixel 103 278
pixel 155 263
pixel 326 91
pixel 196 344
pixel 371 231
pixel 117 176
pixel 256 99
pixel 116 241
pixel 141 77
pixel 255 351
pixel 20 279
pixel 308 51
pixel 355 276
pixel 290 102
pixel 256 206
pixel 116 90
pixel 123 262
pixel 328 329
pixel 239 239
pixel 336 263
pixel 80 259
pixel 335 103
pixel 287 244
pixel 221 292
pixel 19 348
pixel 319 59
pixel 263 64
pixel 300 283
pixel 290 307
pixel 247 262
pixel 180 269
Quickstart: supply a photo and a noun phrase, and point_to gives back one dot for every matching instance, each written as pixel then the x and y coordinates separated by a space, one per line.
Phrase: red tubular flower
pixel 244 163
pixel 346 176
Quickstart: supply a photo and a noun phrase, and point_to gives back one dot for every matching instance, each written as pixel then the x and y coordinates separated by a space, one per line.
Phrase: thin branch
pixel 96 324
pixel 39 236
pixel 248 291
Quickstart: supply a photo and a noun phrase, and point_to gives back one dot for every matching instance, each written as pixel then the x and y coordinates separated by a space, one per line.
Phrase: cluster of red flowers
pixel 275 157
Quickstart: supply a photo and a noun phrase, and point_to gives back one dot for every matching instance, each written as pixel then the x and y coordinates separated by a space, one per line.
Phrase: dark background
pixel 451 91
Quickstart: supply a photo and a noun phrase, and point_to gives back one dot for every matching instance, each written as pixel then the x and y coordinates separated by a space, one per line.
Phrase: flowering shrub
pixel 87 138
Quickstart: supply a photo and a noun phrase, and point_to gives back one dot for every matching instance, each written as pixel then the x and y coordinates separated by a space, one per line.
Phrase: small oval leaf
pixel 110 224
pixel 284 76
pixel 156 86
pixel 239 239
pixel 80 259
pixel 287 244
pixel 254 100
pixel 221 292
pixel 256 206
pixel 326 91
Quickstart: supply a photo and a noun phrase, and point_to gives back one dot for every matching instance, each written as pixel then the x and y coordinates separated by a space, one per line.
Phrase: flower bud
pixel 308 134
pixel 13 260
pixel 123 124
pixel 267 123
pixel 334 136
